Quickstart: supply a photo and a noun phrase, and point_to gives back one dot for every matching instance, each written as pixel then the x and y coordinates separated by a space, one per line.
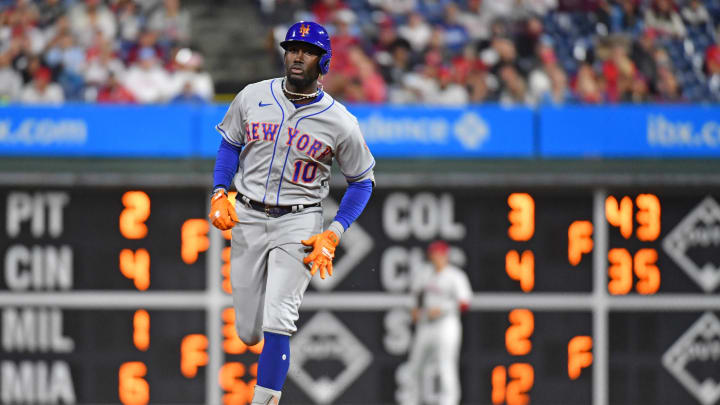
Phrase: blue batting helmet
pixel 313 34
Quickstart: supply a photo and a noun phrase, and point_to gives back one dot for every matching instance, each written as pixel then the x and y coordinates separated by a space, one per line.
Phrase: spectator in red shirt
pixel 342 40
pixel 374 88
pixel 364 83
pixel 114 92
pixel 586 86
pixel 373 85
pixel 712 61
pixel 619 72
pixel 324 9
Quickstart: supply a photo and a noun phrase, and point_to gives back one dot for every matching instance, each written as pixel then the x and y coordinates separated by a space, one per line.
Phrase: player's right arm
pixel 222 213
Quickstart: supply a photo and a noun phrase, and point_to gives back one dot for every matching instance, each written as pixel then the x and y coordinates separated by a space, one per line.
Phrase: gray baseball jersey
pixel 287 151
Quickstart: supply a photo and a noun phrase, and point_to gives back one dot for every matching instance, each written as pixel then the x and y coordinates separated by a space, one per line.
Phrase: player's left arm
pixel 356 162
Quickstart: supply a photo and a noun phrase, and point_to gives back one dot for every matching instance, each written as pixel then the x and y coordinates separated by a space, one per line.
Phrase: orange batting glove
pixel 222 213
pixel 323 252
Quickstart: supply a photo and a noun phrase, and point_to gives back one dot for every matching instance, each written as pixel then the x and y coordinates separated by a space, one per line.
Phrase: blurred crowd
pixel 115 51
pixel 398 51
pixel 454 52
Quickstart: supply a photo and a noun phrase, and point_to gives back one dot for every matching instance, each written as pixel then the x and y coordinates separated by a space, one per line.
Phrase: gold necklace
pixel 301 96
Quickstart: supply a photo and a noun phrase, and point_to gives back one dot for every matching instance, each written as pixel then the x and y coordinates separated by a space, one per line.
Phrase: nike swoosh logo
pixel 260 104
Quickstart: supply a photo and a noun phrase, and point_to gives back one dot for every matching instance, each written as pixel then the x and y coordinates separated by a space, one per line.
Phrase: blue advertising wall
pixel 629 131
pixel 90 130
pixel 411 132
pixel 486 131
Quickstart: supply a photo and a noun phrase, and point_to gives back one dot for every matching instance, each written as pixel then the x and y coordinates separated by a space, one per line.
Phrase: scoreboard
pixel 120 295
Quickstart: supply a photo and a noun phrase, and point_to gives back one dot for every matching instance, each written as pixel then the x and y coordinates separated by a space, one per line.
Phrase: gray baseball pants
pixel 267 272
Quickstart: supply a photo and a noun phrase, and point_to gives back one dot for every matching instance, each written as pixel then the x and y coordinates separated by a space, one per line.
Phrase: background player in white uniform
pixel 443 292
pixel 279 138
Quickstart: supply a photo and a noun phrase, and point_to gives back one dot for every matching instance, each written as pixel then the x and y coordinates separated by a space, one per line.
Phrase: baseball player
pixel 279 137
pixel 443 292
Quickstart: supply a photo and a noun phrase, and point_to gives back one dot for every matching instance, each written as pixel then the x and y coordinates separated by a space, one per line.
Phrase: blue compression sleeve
pixel 353 202
pixel 274 361
pixel 226 164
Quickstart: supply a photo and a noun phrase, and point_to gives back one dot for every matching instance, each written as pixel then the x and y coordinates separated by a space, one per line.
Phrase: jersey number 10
pixel 305 171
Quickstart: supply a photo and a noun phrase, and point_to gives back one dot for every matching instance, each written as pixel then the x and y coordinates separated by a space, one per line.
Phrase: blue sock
pixel 274 361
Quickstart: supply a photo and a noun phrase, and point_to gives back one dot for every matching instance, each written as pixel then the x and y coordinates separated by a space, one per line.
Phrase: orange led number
pixel 648 217
pixel 193 235
pixel 499 383
pixel 646 271
pixel 133 389
pixel 521 216
pixel 193 354
pixel 522 378
pixel 517 335
pixel 232 343
pixel 136 267
pixel 237 390
pixel 521 268
pixel 579 355
pixel 141 330
pixel 620 215
pixel 226 284
pixel 620 271
pixel 579 241
pixel 133 217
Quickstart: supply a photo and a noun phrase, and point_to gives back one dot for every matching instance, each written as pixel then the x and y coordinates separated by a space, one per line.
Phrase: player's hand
pixel 222 213
pixel 322 254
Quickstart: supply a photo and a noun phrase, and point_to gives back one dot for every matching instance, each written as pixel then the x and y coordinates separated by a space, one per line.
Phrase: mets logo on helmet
pixel 304 30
